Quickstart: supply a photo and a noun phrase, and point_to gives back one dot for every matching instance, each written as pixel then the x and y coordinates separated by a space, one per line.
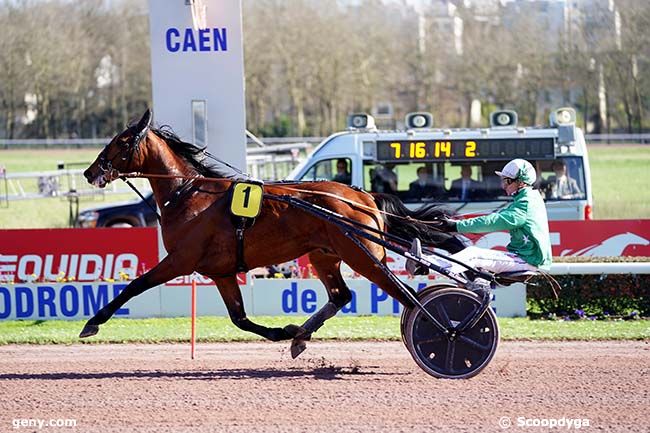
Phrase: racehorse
pixel 198 230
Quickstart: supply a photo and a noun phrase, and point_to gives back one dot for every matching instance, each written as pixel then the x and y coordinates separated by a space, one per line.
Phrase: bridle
pixel 126 153
pixel 109 172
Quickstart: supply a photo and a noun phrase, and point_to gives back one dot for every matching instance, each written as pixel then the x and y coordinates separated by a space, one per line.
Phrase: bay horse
pixel 199 233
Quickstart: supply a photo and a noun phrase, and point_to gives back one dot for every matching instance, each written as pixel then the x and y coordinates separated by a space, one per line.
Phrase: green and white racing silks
pixel 525 218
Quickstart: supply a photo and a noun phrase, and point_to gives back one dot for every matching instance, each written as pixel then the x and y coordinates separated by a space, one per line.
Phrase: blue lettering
pixel 290 299
pixel 6 311
pixel 189 44
pixel 69 300
pixel 350 307
pixel 45 298
pixel 172 46
pixel 376 296
pixel 309 301
pixel 93 303
pixel 220 39
pixel 204 38
pixel 25 309
pixel 421 286
pixel 117 289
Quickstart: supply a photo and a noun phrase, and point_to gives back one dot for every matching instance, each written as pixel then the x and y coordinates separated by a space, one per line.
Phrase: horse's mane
pixel 191 153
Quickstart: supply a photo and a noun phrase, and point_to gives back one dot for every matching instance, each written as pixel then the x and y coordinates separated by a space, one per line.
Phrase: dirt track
pixel 365 386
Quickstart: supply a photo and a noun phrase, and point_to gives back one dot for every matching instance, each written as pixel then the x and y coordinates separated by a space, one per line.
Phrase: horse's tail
pixel 409 224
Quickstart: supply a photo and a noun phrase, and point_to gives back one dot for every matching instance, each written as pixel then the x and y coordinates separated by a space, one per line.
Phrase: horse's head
pixel 120 155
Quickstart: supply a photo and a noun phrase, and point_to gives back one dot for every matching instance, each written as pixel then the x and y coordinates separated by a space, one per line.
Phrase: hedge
pixel 591 296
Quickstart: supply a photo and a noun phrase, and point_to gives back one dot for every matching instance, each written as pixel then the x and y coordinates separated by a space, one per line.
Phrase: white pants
pixel 489 260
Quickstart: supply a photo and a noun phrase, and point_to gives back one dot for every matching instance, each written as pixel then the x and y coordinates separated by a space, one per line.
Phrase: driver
pixel 525 218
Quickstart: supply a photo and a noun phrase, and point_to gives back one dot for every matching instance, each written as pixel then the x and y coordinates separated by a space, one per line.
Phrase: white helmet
pixel 519 169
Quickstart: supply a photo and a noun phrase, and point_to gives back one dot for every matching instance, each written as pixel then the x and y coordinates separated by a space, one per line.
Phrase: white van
pixel 423 164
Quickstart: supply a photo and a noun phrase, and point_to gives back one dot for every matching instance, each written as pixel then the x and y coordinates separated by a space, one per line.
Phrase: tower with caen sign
pixel 198 73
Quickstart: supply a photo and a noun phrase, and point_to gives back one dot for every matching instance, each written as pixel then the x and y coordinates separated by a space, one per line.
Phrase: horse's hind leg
pixel 231 294
pixel 329 272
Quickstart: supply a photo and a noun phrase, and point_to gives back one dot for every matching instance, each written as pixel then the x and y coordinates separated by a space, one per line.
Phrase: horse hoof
pixel 89 331
pixel 297 347
pixel 294 330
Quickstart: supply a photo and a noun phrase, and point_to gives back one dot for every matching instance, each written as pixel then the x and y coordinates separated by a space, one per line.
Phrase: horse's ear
pixel 145 122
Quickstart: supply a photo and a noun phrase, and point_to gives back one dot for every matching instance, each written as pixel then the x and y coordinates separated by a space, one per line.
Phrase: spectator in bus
pixel 342 173
pixel 424 186
pixel 560 185
pixel 385 179
pixel 466 188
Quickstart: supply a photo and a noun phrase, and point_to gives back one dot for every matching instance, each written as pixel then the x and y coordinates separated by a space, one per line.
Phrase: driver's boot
pixel 413 267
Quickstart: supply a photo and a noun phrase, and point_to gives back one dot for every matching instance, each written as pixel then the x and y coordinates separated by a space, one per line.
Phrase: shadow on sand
pixel 323 373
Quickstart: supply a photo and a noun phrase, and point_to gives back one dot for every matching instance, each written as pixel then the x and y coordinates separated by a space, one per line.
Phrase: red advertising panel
pixel 76 254
pixel 602 238
pixel 598 238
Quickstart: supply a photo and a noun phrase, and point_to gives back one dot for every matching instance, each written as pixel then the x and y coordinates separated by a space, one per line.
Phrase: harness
pixel 245 206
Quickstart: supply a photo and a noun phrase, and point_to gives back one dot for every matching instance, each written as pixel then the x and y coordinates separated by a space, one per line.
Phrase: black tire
pixel 407 310
pixel 461 357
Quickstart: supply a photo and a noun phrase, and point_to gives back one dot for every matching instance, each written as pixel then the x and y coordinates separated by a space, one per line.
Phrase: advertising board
pixel 72 273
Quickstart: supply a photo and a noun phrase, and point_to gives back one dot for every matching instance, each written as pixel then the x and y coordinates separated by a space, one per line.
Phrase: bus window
pixel 562 179
pixel 473 182
pixel 559 179
pixel 338 170
pixel 411 181
pixel 464 182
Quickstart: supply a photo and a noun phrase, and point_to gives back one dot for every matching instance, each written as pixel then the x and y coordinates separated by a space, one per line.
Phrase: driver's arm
pixel 507 219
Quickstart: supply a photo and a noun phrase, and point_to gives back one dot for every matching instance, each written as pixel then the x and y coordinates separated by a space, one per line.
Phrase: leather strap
pixel 239 235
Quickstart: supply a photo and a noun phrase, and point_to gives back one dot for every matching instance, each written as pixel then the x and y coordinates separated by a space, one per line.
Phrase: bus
pixel 423 164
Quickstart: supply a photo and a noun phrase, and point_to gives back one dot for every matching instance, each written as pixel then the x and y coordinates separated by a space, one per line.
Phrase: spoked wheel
pixel 407 310
pixel 461 354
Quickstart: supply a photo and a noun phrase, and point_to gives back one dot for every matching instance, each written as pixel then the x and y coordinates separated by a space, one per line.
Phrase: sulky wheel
pixel 460 355
pixel 407 310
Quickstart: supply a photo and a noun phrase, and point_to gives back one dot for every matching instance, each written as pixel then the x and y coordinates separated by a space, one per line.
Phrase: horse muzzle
pixel 102 178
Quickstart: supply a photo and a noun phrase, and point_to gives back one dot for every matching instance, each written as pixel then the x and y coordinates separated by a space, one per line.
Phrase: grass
pixel 620 176
pixel 220 329
pixel 51 212
pixel 46 159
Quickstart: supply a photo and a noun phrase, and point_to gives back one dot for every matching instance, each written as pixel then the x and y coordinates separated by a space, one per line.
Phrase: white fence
pixel 270 162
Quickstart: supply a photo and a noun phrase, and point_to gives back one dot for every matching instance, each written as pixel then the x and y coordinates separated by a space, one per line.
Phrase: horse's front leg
pixel 231 294
pixel 159 274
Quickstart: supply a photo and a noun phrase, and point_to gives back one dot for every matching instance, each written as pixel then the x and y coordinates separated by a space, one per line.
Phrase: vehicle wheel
pixel 451 357
pixel 407 310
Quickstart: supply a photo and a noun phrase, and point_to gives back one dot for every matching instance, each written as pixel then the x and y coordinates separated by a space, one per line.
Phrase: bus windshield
pixel 559 179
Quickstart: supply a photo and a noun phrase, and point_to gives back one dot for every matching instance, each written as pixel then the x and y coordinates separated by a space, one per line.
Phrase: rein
pixel 137 191
pixel 353 203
